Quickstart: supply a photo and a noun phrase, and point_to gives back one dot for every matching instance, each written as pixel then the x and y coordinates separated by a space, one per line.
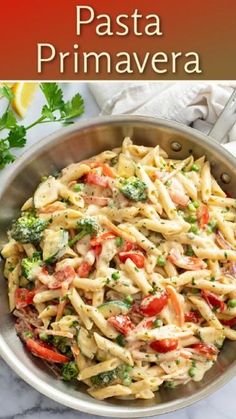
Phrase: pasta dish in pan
pixel 121 271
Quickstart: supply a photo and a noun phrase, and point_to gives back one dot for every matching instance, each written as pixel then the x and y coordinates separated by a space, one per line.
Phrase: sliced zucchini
pixel 46 193
pixel 86 343
pixel 55 243
pixel 113 308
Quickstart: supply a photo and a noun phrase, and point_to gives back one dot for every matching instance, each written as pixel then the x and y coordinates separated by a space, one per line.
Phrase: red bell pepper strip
pixel 203 215
pixel 45 353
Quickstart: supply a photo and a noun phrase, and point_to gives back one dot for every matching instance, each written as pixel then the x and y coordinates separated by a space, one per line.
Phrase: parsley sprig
pixel 55 110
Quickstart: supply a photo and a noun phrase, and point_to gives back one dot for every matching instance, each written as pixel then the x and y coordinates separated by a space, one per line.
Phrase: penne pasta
pixel 206 182
pixel 206 312
pixel 137 276
pixel 79 306
pixel 110 391
pixel 113 349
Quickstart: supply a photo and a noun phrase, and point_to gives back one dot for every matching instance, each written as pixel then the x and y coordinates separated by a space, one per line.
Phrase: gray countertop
pixel 19 401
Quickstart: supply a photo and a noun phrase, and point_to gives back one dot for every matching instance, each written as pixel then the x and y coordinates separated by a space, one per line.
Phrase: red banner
pixel 91 39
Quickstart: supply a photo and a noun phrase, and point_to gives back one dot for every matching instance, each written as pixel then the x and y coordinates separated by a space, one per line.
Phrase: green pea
pixel 43 336
pixel 194 229
pixel 28 334
pixel 127 381
pixel 191 207
pixel 169 384
pixel 192 372
pixel 43 178
pixel 212 226
pixel 161 261
pixel 195 167
pixel 115 275
pixel 78 187
pixel 129 299
pixel 191 218
pixel 232 303
pixel 196 204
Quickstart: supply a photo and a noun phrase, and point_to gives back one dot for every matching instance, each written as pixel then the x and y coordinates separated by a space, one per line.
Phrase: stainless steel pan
pixel 73 144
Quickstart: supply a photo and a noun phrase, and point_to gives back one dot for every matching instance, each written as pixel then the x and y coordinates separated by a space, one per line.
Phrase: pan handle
pixel 225 121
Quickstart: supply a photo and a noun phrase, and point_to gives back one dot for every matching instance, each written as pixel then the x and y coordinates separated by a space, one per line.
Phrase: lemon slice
pixel 24 93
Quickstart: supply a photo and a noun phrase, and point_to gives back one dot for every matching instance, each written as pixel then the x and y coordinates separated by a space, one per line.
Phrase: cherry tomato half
pixel 121 323
pixel 23 297
pixel 137 258
pixel 192 316
pixel 103 237
pixel 65 275
pixel 95 179
pixel 164 345
pixel 213 300
pixel 204 349
pixel 84 270
pixel 153 304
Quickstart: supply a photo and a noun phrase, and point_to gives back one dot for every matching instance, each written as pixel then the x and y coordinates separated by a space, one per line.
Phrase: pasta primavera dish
pixel 122 271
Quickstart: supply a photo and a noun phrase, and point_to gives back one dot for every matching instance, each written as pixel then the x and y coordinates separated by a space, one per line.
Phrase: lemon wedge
pixel 24 93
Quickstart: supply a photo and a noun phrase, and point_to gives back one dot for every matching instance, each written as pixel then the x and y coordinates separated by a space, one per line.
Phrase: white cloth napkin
pixel 195 103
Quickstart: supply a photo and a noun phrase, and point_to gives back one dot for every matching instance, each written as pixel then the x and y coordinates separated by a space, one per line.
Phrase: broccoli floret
pixel 31 266
pixel 69 371
pixel 28 229
pixel 119 374
pixel 134 189
pixel 104 378
pixel 62 344
pixel 87 225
